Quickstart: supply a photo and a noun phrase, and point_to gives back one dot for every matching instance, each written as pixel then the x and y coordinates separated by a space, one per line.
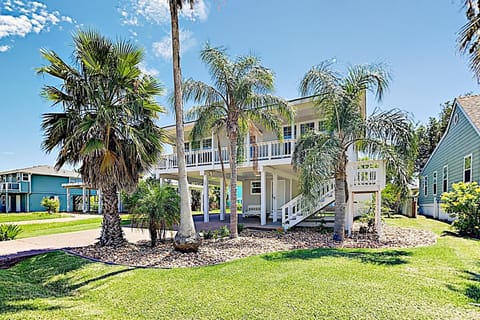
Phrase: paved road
pixel 64 240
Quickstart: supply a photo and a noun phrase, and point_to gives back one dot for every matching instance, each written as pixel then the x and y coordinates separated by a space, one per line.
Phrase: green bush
pixel 463 203
pixel 9 231
pixel 50 204
pixel 209 234
pixel 240 227
pixel 223 232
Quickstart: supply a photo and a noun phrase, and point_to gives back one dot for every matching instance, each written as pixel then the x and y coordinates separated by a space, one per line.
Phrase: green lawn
pixel 43 229
pixel 437 282
pixel 16 217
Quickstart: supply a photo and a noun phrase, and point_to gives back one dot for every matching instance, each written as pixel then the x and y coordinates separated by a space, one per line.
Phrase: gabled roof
pixel 44 170
pixel 470 107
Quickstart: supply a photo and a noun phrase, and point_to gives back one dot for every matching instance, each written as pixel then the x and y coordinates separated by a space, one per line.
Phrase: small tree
pixel 50 204
pixel 156 207
pixel 463 203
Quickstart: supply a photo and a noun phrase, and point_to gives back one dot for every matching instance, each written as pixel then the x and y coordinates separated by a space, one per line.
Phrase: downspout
pixel 29 191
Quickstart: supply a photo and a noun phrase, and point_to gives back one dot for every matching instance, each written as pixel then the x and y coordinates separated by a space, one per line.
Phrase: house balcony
pixel 271 152
pixel 13 187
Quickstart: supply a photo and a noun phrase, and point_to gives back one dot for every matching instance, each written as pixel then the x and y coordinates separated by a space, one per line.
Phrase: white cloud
pixel 148 70
pixel 158 11
pixel 19 18
pixel 163 48
pixel 4 48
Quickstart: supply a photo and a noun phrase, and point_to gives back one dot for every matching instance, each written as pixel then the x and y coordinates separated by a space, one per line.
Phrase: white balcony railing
pixel 10 187
pixel 253 152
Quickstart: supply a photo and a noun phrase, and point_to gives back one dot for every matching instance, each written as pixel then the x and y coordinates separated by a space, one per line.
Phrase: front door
pixel 280 195
pixel 18 203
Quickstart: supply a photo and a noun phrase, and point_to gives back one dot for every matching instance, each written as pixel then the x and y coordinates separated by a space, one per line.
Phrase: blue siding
pixel 460 140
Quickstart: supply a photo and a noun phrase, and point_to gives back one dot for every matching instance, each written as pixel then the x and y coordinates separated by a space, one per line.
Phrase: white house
pixel 270 183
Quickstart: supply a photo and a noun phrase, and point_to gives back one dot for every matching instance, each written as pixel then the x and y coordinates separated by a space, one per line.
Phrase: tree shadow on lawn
pixel 388 257
pixel 471 289
pixel 45 276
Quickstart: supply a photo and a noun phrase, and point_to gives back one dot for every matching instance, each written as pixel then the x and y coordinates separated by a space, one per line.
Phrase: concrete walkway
pixel 70 217
pixel 64 240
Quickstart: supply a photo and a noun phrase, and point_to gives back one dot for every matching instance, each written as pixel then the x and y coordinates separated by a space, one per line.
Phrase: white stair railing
pixel 296 210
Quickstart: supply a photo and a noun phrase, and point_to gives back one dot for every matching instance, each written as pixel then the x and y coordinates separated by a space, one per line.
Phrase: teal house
pixel 456 157
pixel 22 190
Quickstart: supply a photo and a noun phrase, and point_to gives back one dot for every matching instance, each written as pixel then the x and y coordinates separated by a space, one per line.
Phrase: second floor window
pixel 187 147
pixel 322 125
pixel 445 179
pixel 287 132
pixel 195 145
pixel 434 183
pixel 425 186
pixel 207 144
pixel 305 127
pixel 467 168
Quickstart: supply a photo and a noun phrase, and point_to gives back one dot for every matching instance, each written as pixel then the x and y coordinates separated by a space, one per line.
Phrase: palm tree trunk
pixel 340 200
pixel 112 233
pixel 186 239
pixel 233 185
pixel 220 156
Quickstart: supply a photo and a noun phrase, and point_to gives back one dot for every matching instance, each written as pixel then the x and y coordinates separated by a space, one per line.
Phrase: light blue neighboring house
pixel 22 190
pixel 456 157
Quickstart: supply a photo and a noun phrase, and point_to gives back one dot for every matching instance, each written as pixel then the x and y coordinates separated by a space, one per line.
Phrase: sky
pixel 414 38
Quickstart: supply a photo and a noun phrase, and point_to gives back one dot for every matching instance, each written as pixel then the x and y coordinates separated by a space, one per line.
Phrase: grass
pixel 436 282
pixel 43 229
pixel 17 217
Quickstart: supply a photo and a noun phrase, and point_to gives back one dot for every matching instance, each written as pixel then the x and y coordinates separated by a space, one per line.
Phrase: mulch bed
pixel 250 243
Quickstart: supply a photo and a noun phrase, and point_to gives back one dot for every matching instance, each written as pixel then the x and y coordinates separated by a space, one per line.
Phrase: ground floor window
pixel 434 183
pixel 445 179
pixel 256 187
pixel 425 186
pixel 467 168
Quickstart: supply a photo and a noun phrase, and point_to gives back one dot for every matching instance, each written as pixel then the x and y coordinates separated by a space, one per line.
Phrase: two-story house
pixel 270 185
pixel 22 190
pixel 456 157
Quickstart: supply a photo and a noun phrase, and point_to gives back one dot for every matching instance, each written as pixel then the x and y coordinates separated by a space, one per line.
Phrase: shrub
pixel 463 203
pixel 9 231
pixel 209 234
pixel 223 232
pixel 50 204
pixel 240 227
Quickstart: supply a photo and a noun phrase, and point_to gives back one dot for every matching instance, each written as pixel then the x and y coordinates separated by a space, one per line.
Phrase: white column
pixel 378 212
pixel 68 199
pixel 28 202
pixel 119 202
pixel 291 190
pixel 247 147
pixel 84 199
pixel 263 197
pixel 100 201
pixel 222 199
pixel 206 204
pixel 275 198
pixel 349 215
pixel 161 180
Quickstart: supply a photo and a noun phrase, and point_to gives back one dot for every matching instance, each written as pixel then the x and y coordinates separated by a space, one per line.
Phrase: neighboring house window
pixel 467 168
pixel 207 144
pixel 25 177
pixel 187 147
pixel 425 186
pixel 445 179
pixel 195 145
pixel 256 187
pixel 434 183
pixel 304 127
pixel 287 132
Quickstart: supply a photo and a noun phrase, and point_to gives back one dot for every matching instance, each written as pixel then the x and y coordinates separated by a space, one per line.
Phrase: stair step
pixel 312 224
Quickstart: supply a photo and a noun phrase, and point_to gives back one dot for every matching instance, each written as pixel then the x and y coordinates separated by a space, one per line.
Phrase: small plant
pixel 280 230
pixel 51 204
pixel 9 231
pixel 207 235
pixel 240 227
pixel 223 232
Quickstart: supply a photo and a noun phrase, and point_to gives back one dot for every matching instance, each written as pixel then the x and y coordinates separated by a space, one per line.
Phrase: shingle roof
pixel 44 170
pixel 471 106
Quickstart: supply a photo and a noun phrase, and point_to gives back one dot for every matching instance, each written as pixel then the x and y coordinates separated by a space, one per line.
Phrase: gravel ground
pixel 250 243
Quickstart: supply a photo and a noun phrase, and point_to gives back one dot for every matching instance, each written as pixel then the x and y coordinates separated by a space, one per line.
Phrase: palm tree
pixel 468 39
pixel 156 207
pixel 239 99
pixel 321 156
pixel 107 122
pixel 186 238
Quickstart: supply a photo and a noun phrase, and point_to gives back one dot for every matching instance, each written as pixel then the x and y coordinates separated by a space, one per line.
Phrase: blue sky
pixel 416 38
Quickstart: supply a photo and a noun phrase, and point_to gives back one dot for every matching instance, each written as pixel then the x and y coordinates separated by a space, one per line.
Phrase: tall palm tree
pixel 186 238
pixel 322 156
pixel 468 39
pixel 239 98
pixel 107 122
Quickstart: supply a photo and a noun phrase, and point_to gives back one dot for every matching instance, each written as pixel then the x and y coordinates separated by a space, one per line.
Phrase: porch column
pixel 28 202
pixel 378 212
pixel 274 196
pixel 263 197
pixel 68 199
pixel 222 199
pixel 349 215
pixel 161 180
pixel 247 147
pixel 206 217
pixel 84 199
pixel 100 201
